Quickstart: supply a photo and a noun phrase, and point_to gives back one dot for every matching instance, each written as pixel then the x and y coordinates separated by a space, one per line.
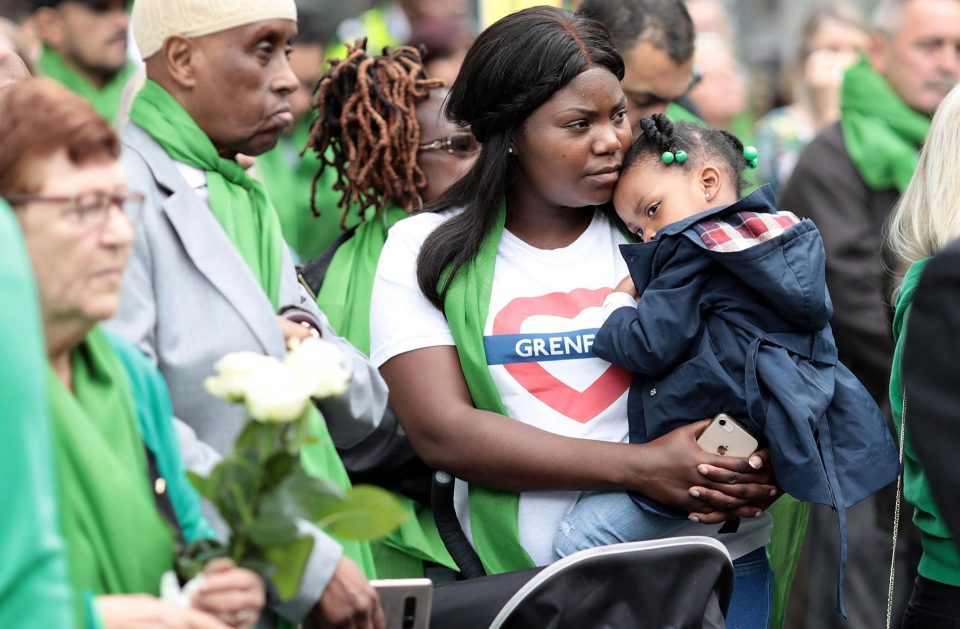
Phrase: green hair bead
pixel 681 157
pixel 667 157
pixel 751 153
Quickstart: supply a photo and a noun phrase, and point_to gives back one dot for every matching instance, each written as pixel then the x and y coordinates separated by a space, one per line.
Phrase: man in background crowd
pixel 847 180
pixel 85 48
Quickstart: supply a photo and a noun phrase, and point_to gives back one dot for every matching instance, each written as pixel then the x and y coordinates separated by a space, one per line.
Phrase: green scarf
pixel 493 513
pixel 239 203
pixel 117 542
pixel 320 459
pixel 33 573
pixel 345 299
pixel 106 99
pixel 348 286
pixel 881 132
pixel 288 179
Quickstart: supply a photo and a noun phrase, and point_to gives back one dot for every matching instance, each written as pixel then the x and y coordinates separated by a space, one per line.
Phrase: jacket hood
pixel 776 253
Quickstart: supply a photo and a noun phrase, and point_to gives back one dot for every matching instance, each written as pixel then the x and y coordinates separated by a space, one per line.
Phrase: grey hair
pixel 887 16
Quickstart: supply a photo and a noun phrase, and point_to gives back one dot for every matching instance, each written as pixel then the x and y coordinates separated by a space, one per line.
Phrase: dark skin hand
pixel 503 453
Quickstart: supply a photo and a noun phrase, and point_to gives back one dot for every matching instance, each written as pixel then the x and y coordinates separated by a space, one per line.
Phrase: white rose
pixel 274 394
pixel 318 364
pixel 233 371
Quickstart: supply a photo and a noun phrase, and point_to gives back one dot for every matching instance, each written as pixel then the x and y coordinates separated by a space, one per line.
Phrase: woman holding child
pixel 484 314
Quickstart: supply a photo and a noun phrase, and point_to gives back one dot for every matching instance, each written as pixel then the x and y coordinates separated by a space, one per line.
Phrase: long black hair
pixel 513 68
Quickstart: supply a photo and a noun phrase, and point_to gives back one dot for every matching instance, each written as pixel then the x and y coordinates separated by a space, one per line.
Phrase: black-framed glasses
pixel 648 99
pixel 459 143
pixel 89 210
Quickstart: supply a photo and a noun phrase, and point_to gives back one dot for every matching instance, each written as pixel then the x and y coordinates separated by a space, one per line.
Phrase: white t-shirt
pixel 545 309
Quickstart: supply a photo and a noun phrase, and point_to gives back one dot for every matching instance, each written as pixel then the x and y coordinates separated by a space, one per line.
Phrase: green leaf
pixel 201 485
pixel 366 513
pixel 302 496
pixel 289 561
pixel 273 529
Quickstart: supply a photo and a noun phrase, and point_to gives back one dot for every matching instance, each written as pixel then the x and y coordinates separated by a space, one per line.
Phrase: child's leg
pixel 604 518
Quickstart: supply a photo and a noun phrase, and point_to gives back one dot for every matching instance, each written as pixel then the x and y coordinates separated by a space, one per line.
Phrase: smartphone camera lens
pixel 723 422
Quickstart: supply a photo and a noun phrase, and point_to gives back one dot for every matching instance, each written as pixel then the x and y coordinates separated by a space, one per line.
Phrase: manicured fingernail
pixel 694 493
pixel 758 514
pixel 703 469
pixel 773 492
pixel 694 518
pixel 756 462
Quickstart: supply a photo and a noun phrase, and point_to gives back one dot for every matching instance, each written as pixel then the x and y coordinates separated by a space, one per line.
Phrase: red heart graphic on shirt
pixel 582 406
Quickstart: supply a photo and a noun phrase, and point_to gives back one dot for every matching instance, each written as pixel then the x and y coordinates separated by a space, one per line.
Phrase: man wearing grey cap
pixel 210 273
pixel 85 48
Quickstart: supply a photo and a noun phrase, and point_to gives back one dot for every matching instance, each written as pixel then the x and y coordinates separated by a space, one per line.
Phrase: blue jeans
pixel 604 518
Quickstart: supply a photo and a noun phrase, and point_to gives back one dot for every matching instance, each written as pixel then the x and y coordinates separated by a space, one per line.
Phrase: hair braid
pixel 367 128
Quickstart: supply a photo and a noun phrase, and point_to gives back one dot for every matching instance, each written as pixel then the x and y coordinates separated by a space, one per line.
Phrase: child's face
pixel 651 195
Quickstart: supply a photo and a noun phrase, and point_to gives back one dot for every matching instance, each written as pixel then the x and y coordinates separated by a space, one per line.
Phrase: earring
pixel 706 196
pixel 510 150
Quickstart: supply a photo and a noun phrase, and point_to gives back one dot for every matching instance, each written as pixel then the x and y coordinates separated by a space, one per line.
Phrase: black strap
pixel 313 272
pixel 161 495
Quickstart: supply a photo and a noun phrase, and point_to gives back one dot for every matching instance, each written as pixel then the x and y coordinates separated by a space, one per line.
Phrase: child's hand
pixel 235 595
pixel 627 286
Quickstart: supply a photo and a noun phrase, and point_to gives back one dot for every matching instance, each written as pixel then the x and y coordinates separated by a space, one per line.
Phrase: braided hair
pixel 367 128
pixel 500 84
pixel 659 135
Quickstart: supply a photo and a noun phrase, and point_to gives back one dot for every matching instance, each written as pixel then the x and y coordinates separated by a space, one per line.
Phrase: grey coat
pixel 188 299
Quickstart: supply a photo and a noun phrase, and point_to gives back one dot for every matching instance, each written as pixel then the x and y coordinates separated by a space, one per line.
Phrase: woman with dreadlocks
pixel 381 128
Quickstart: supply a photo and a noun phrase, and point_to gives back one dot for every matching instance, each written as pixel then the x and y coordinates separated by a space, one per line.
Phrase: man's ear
pixel 878 47
pixel 48 23
pixel 179 57
pixel 710 181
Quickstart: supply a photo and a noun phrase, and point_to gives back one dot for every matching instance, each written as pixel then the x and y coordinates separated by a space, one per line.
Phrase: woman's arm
pixel 430 397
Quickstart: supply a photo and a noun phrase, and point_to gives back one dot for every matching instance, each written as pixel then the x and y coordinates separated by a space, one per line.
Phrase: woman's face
pixel 570 149
pixel 78 261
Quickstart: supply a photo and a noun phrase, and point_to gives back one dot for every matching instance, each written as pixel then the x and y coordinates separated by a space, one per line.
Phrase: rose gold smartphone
pixel 725 436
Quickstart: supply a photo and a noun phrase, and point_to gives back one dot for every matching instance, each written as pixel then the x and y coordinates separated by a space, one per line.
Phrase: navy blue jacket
pixel 734 317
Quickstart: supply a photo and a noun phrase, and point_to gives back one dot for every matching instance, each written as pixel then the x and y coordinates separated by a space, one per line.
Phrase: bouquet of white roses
pixel 261 489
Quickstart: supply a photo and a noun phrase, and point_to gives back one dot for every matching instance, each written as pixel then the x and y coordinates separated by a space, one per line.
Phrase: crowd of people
pixel 549 253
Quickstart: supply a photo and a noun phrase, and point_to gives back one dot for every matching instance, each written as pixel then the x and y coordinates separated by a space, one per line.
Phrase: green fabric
pixel 493 513
pixel 239 203
pixel 348 285
pixel 288 179
pixel 940 560
pixel 786 541
pixel 345 299
pixel 677 113
pixel 882 133
pixel 320 459
pixel 117 542
pixel 106 99
pixel 33 572
pixel 156 429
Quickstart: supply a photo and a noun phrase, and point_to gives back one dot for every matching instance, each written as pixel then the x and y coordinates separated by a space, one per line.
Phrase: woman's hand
pixel 140 611
pixel 712 488
pixel 627 286
pixel 234 595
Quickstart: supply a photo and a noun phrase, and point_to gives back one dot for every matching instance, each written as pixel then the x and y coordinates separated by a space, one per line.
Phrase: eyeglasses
pixel 90 210
pixel 461 143
pixel 648 99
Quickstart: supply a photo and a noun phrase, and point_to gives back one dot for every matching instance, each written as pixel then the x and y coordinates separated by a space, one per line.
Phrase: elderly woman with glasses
pixel 124 501
pixel 382 128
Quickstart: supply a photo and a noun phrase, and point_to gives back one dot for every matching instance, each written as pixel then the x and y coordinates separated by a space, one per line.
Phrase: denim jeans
pixel 604 518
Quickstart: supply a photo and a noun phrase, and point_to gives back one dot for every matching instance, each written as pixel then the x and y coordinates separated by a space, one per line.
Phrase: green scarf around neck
pixel 106 99
pixel 239 203
pixel 493 513
pixel 882 133
pixel 348 285
pixel 117 542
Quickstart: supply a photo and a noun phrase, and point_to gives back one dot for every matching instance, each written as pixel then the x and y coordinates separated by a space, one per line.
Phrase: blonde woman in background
pixel 926 220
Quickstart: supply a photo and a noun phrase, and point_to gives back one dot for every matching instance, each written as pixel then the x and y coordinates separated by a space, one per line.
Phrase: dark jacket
pixel 742 326
pixel 827 188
